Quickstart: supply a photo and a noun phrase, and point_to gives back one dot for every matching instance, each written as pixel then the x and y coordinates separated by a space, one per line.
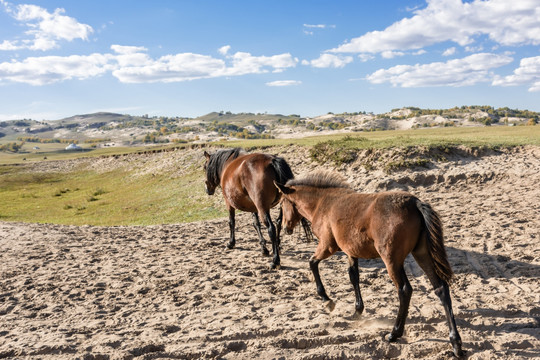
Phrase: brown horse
pixel 389 225
pixel 247 184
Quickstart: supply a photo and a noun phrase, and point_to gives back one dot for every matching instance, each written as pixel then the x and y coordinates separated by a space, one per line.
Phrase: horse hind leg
pixel 257 225
pixel 443 292
pixel 272 234
pixel 232 240
pixel 398 276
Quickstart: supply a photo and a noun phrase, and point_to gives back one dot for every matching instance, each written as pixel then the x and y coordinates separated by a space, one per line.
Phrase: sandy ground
pixel 174 291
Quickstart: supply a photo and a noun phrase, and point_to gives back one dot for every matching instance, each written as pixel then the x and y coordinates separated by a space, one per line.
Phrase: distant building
pixel 36 148
pixel 73 147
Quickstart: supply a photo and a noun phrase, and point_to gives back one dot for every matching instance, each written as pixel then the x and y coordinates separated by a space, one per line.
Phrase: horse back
pixel 372 225
pixel 248 182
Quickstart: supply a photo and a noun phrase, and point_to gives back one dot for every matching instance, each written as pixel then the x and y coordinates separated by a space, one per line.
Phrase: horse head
pixel 291 216
pixel 209 185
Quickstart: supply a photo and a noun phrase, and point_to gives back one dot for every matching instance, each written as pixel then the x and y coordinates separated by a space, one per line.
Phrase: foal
pixel 389 225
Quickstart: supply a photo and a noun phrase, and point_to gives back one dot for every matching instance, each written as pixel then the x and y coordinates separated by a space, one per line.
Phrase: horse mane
pixel 320 179
pixel 217 162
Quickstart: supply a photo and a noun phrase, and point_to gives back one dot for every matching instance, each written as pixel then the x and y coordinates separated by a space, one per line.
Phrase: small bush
pixel 405 164
pixel 99 191
pixel 59 192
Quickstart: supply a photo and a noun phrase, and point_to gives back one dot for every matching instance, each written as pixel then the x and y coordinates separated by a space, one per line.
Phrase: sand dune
pixel 174 291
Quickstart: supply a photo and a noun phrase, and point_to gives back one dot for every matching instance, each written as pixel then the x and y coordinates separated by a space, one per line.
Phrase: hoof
pixel 357 315
pixel 458 352
pixel 330 306
pixel 265 252
pixel 275 267
pixel 391 337
pixel 230 246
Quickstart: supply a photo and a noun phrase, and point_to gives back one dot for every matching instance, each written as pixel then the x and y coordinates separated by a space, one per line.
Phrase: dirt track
pixel 174 291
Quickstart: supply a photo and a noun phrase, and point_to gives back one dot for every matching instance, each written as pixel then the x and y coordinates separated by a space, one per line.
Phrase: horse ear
pixel 206 155
pixel 283 188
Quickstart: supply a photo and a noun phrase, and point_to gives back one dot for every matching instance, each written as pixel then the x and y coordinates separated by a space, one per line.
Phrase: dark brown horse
pixel 247 184
pixel 389 225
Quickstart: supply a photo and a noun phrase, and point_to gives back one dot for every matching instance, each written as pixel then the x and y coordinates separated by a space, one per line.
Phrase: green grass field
pixel 119 197
pixel 112 198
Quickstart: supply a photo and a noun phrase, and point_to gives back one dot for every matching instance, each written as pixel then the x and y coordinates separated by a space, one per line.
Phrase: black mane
pixel 217 161
pixel 320 179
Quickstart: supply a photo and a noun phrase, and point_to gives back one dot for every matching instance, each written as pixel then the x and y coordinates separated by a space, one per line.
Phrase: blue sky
pixel 188 58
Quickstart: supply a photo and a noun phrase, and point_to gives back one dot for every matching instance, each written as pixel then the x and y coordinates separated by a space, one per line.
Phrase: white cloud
pixel 171 68
pixel 449 52
pixel 224 49
pixel 284 83
pixel 44 28
pixel 528 73
pixel 245 63
pixel 127 50
pixel 474 49
pixel 318 26
pixel 308 28
pixel 504 22
pixel 457 72
pixel 8 45
pixel 365 57
pixel 329 61
pixel 391 54
pixel 131 64
pixel 51 69
pixel 131 56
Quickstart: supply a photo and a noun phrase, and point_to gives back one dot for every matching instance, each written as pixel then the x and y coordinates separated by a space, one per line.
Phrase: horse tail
pixel 284 174
pixel 435 241
pixel 282 169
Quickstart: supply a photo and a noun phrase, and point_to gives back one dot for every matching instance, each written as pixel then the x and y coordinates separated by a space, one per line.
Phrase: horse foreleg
pixel 314 265
pixel 257 225
pixel 232 240
pixel 327 246
pixel 279 222
pixel 404 288
pixel 355 281
pixel 272 234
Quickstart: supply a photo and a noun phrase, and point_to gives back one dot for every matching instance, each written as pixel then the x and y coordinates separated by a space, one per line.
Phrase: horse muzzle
pixel 288 231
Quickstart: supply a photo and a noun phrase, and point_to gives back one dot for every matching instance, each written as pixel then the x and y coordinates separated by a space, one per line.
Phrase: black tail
pixel 284 174
pixel 283 170
pixel 435 241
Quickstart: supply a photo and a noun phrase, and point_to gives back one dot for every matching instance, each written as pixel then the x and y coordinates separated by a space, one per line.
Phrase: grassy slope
pixel 56 152
pixel 120 198
pixel 113 198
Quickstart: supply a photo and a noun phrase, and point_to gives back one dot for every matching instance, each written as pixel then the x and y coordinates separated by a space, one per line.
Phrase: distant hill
pixel 112 129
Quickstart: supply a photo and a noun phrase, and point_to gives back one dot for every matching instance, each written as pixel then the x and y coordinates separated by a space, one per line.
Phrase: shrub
pixel 12 147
